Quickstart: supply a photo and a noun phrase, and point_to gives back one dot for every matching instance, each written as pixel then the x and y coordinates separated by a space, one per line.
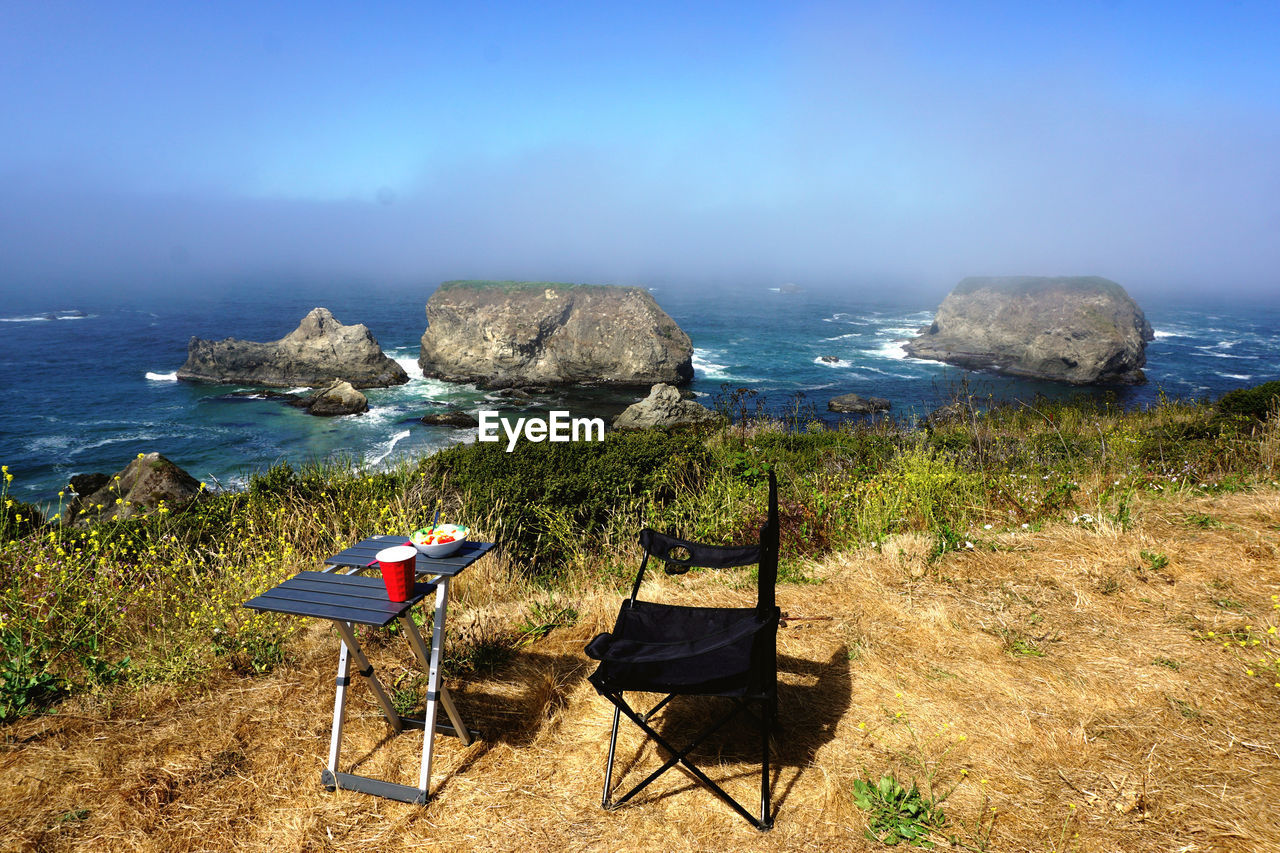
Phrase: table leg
pixel 433 685
pixel 366 670
pixel 420 651
pixel 339 709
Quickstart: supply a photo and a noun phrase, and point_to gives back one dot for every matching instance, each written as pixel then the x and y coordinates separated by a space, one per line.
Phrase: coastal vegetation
pixel 884 523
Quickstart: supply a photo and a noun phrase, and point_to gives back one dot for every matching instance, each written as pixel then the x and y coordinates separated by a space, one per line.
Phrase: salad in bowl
pixel 440 540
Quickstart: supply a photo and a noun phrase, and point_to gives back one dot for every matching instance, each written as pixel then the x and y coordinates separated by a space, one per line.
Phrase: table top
pixel 357 598
pixel 329 595
pixel 361 555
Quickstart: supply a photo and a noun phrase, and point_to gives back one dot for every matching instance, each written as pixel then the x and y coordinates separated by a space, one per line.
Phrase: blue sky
pixel 829 143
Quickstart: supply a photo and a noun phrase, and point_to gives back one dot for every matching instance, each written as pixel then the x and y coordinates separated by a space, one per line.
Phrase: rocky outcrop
pixel 854 404
pixel 499 334
pixel 453 418
pixel 663 408
pixel 949 413
pixel 145 483
pixel 319 351
pixel 1081 330
pixel 338 398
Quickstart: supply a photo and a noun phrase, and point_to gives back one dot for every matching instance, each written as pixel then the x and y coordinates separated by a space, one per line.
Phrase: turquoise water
pixel 90 385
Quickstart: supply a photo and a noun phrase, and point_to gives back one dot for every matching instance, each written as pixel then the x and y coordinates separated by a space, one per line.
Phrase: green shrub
pixel 552 496
pixel 19 519
pixel 1256 402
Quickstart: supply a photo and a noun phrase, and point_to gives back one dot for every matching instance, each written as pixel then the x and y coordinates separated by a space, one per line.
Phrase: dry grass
pixel 1094 715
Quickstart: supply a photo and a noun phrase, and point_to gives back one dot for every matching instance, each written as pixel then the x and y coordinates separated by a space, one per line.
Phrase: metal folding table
pixel 348 599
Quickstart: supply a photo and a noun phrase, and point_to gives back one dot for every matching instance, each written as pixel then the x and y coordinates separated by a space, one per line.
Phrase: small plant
pixel 1025 648
pixel 897 813
pixel 544 618
pixel 26 682
pixel 1123 515
pixel 1200 520
pixel 1064 842
pixel 1155 561
pixel 1167 663
pixel 947 540
pixel 407 692
pixel 1018 645
pixel 248 651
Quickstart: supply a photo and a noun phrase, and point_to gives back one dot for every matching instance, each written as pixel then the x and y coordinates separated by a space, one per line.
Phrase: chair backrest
pixel 769 546
pixel 679 555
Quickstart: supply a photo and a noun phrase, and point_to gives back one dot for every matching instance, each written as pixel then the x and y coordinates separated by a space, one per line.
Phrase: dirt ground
pixel 1064 687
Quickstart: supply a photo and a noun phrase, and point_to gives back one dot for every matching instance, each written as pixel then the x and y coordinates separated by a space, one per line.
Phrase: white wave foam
pixel 840 362
pixel 1241 376
pixel 65 314
pixel 410 366
pixel 1209 351
pixel 377 417
pixel 890 373
pixel 389 446
pixel 844 337
pixel 45 443
pixel 890 349
pixel 440 388
pixel 1161 334
pixel 709 369
pixel 139 437
pixel 775 289
pixel 162 377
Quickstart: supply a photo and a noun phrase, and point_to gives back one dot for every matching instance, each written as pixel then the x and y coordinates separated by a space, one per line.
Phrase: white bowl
pixel 444 550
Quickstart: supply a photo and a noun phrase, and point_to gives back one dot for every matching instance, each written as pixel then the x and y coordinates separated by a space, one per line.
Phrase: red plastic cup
pixel 398 570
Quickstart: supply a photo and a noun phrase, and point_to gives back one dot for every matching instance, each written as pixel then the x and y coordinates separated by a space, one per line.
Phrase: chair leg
pixel 766 818
pixel 608 770
pixel 648 715
pixel 679 756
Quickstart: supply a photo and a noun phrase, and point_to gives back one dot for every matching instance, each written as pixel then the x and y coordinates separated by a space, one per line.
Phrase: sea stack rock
pixel 501 334
pixel 340 398
pixel 858 405
pixel 320 351
pixel 140 488
pixel 664 407
pixel 1080 329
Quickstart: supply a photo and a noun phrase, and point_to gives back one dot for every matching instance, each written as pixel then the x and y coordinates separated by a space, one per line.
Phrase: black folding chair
pixel 696 651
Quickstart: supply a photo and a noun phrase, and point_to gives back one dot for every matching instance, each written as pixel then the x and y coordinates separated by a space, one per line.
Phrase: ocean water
pixel 90 385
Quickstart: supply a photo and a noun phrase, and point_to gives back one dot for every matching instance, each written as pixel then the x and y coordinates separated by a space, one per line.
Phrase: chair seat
pixel 724 671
